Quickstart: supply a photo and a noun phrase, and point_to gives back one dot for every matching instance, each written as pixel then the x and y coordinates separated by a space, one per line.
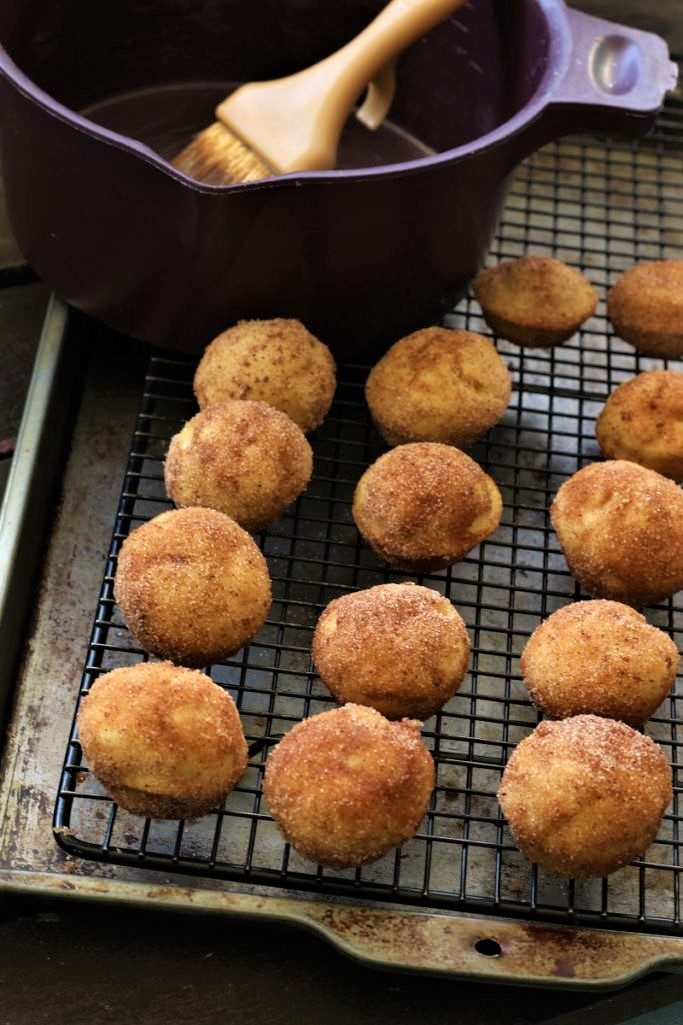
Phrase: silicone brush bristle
pixel 217 157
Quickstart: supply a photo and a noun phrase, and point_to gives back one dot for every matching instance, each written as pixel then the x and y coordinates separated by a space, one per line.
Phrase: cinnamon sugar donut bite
pixel 399 648
pixel 585 796
pixel 423 506
pixel 275 361
pixel 165 742
pixel 438 385
pixel 620 527
pixel 599 657
pixel 646 307
pixel 347 785
pixel 245 459
pixel 192 586
pixel 642 421
pixel 536 301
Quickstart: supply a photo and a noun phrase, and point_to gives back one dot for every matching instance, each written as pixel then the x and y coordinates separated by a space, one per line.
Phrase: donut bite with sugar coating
pixel 275 361
pixel 585 796
pixel 423 506
pixel 599 657
pixel 642 421
pixel 438 385
pixel 399 648
pixel 165 742
pixel 620 527
pixel 536 301
pixel 245 459
pixel 346 786
pixel 192 586
pixel 646 307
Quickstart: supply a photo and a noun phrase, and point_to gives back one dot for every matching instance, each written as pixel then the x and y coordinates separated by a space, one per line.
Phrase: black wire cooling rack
pixel 601 205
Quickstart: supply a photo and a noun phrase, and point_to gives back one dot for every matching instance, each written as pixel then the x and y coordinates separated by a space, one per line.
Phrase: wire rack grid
pixel 601 205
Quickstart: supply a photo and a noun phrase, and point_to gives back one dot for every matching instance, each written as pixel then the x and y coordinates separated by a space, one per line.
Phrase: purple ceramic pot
pixel 362 256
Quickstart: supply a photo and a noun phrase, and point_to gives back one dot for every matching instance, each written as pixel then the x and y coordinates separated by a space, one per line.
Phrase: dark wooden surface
pixel 77 964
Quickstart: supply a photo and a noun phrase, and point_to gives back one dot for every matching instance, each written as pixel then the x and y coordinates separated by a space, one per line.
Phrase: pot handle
pixel 617 77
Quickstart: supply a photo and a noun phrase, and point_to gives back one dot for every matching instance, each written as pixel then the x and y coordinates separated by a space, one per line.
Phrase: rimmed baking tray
pixel 458 899
pixel 25 499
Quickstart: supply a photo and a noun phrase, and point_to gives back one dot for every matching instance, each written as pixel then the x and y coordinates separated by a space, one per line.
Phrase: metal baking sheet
pixel 35 466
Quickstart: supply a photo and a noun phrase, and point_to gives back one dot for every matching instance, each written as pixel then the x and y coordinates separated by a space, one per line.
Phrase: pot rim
pixel 557 63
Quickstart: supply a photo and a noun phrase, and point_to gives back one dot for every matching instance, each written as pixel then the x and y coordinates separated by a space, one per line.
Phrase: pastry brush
pixel 294 123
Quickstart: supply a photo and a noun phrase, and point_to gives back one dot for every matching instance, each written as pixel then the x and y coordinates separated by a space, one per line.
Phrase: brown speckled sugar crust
pixel 646 307
pixel 585 796
pixel 620 527
pixel 192 586
pixel 347 786
pixel 165 742
pixel 245 459
pixel 438 385
pixel 599 657
pixel 275 361
pixel 399 648
pixel 642 421
pixel 423 506
pixel 537 301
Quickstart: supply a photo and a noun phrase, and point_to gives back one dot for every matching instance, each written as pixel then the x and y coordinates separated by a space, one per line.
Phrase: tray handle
pixel 496 950
pixel 477 948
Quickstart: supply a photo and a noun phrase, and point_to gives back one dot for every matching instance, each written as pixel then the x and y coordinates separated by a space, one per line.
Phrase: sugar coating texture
pixel 438 385
pixel 646 307
pixel 642 421
pixel 536 301
pixel 599 657
pixel 585 796
pixel 621 530
pixel 246 459
pixel 399 648
pixel 347 786
pixel 165 742
pixel 423 506
pixel 275 361
pixel 192 586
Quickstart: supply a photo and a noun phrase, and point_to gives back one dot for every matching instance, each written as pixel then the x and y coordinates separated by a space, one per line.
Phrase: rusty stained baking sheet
pixel 30 862
pixel 45 690
pixel 33 469
pixel 477 948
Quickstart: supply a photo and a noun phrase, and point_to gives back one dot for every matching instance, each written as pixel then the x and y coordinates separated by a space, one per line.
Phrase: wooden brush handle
pixel 294 123
pixel 398 25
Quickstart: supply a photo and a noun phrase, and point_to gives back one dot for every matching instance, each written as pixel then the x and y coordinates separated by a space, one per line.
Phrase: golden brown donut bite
pixel 192 586
pixel 423 506
pixel 536 301
pixel 620 527
pixel 165 742
pixel 599 657
pixel 275 361
pixel 646 307
pixel 438 385
pixel 399 648
pixel 642 421
pixel 347 785
pixel 585 796
pixel 246 459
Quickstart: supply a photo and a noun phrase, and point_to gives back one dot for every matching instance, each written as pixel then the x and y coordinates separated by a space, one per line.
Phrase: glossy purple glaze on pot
pixel 362 256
